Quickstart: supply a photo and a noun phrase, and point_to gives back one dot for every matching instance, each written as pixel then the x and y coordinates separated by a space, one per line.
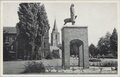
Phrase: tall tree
pixel 113 42
pixel 32 26
pixel 104 44
pixel 43 27
pixel 92 50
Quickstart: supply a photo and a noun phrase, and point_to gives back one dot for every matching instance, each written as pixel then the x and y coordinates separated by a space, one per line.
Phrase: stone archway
pixel 70 34
pixel 76 48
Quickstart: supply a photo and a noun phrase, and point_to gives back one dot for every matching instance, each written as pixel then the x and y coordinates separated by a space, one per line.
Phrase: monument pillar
pixel 70 33
pixel 80 62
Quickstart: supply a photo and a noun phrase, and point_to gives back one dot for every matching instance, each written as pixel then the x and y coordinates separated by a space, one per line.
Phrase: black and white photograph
pixel 59 37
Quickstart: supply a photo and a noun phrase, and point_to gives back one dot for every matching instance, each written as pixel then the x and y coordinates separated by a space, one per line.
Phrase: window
pixel 44 44
pixel 7 39
pixel 12 47
pixel 56 37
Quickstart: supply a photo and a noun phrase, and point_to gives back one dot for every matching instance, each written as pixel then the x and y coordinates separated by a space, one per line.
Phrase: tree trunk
pixel 33 47
pixel 36 52
pixel 42 45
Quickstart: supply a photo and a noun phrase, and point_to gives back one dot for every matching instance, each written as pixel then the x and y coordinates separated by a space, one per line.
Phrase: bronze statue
pixel 72 15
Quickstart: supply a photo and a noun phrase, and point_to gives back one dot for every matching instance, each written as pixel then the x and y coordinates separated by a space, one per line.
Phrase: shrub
pixel 49 56
pixel 109 64
pixel 105 64
pixel 94 60
pixel 34 67
pixel 55 54
pixel 49 68
pixel 107 56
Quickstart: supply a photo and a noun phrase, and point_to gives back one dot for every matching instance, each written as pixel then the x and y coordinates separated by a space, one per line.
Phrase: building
pixel 55 41
pixel 55 35
pixel 14 49
pixel 9 45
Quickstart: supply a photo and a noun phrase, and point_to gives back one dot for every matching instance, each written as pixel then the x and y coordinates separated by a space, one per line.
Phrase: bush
pixel 94 60
pixel 49 56
pixel 109 64
pixel 105 64
pixel 34 67
pixel 56 54
pixel 107 56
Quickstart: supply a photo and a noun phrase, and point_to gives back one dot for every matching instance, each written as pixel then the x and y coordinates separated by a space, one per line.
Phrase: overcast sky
pixel 98 17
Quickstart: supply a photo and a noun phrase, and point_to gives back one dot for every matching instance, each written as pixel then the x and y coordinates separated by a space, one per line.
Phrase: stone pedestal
pixel 73 33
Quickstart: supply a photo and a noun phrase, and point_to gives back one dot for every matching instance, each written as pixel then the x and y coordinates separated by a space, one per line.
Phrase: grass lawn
pixel 16 67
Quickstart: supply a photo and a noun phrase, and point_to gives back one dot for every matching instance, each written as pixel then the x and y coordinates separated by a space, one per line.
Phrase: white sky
pixel 99 17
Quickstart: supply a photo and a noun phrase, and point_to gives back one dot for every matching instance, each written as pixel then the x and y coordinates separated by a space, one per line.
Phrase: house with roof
pixel 12 48
pixel 9 45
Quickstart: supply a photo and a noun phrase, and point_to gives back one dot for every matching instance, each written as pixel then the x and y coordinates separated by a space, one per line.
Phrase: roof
pixel 9 29
pixel 55 27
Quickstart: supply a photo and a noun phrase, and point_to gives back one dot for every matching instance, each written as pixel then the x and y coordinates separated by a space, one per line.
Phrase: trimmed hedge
pixel 105 64
pixel 109 64
pixel 94 60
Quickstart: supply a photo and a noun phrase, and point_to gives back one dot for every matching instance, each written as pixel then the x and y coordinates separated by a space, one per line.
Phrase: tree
pixel 43 27
pixel 31 27
pixel 104 44
pixel 113 42
pixel 92 50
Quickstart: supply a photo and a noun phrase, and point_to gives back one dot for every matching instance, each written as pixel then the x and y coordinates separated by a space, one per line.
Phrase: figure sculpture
pixel 72 16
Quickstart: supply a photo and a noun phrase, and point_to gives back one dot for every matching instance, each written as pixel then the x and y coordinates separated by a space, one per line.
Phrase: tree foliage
pixel 104 44
pixel 113 42
pixel 92 50
pixel 107 45
pixel 32 26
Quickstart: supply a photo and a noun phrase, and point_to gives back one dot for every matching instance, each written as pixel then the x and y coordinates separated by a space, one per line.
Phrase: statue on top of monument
pixel 72 16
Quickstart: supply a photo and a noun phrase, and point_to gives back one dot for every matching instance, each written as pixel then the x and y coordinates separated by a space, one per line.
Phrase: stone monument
pixel 75 35
pixel 72 16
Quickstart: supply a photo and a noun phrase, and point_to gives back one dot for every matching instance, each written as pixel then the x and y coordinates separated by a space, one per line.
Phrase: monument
pixel 72 15
pixel 72 35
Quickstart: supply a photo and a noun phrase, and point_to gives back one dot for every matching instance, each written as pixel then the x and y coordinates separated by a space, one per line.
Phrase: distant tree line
pixel 106 47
